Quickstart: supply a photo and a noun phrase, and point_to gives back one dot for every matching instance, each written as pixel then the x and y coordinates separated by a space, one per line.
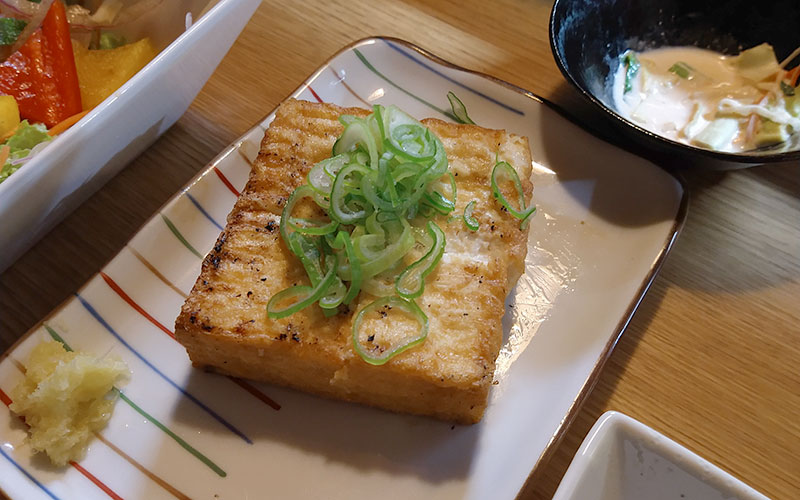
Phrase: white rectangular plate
pixel 606 220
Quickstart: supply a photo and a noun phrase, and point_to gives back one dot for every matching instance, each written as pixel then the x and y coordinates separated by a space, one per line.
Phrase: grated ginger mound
pixel 64 398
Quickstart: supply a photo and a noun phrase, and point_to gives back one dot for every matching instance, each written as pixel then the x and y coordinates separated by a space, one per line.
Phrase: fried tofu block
pixel 224 324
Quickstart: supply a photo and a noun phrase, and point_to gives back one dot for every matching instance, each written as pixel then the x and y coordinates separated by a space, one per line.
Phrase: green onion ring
pixel 394 302
pixel 312 229
pixel 411 282
pixel 503 167
pixel 334 295
pixel 339 210
pixel 391 254
pixel 306 295
pixel 343 241
pixel 306 250
pixel 438 202
pixel 469 220
pixel 459 110
pixel 298 194
pixel 321 175
pixel 357 132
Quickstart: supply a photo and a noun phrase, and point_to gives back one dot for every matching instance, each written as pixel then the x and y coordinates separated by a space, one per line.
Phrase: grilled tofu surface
pixel 224 324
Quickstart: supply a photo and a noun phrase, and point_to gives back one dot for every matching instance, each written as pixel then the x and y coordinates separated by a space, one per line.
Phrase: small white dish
pixel 79 161
pixel 623 459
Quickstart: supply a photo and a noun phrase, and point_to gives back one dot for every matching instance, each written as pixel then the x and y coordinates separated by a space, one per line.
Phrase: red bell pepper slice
pixel 41 75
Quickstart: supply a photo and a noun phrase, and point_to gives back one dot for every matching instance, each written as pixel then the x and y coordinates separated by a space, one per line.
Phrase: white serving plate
pixel 606 220
pixel 623 459
pixel 79 161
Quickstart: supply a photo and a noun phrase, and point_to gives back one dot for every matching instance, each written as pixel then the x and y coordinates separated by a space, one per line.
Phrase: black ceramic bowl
pixel 587 36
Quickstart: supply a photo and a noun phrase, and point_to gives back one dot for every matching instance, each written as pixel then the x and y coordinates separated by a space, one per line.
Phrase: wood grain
pixel 711 358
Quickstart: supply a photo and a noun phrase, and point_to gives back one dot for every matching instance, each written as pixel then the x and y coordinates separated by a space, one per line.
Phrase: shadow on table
pixel 784 177
pixel 739 235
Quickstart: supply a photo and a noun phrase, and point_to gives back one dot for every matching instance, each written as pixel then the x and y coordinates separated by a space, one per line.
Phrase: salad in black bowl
pixel 710 84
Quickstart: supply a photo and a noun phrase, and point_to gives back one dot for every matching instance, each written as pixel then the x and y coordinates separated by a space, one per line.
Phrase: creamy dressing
pixel 706 99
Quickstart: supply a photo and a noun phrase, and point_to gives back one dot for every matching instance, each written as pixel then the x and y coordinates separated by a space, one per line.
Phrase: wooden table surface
pixel 711 358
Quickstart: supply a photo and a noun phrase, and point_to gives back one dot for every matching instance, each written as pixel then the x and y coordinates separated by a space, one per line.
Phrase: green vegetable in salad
pixel 10 30
pixel 111 40
pixel 681 69
pixel 771 133
pixel 26 137
pixel 793 105
pixel 757 63
pixel 21 143
pixel 632 66
pixel 718 133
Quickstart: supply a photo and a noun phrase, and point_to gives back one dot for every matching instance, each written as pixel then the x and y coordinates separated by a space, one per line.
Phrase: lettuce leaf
pixel 757 63
pixel 24 139
pixel 27 136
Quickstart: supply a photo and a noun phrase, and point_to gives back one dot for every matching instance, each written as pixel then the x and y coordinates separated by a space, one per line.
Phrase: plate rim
pixel 591 381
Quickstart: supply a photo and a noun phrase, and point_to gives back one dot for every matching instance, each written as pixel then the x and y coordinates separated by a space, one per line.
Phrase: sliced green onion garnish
pixel 321 176
pixel 438 202
pixel 300 297
pixel 334 296
pixel 411 282
pixel 306 250
pixel 388 173
pixel 354 266
pixel 459 110
pixel 357 133
pixel 406 137
pixel 347 119
pixel 298 194
pixel 392 253
pixel 526 220
pixel 469 220
pixel 370 346
pixel 345 208
pixel 306 226
pixel 504 168
pixel 370 191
